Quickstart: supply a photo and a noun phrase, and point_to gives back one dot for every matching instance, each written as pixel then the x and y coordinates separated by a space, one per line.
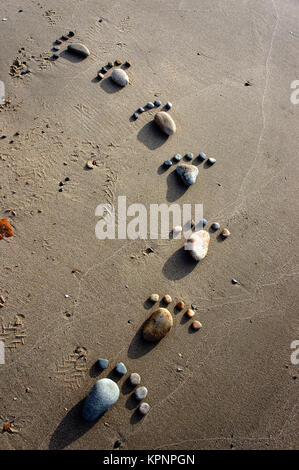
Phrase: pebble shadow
pixel 109 86
pixel 95 370
pixel 136 417
pixel 71 57
pixel 132 402
pixel 151 136
pixel 175 187
pixel 71 428
pixel 139 347
pixel 179 265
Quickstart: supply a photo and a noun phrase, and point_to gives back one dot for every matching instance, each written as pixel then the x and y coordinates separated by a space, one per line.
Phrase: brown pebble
pixel 167 299
pixel 127 63
pixel 180 305
pixel 100 75
pixel 117 62
pixel 225 233
pixel 190 313
pixel 196 325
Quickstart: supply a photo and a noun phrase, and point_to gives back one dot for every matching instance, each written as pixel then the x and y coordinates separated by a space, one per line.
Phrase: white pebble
pixel 141 393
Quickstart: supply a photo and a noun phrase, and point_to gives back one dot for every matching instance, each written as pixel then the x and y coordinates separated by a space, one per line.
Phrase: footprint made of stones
pixel 117 79
pixel 106 392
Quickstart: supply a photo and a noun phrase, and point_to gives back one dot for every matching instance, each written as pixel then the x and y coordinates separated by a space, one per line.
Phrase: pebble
pixel 117 62
pixel 165 122
pixel 55 56
pixel 203 222
pixel 190 313
pixel 179 369
pixel 150 105
pixel 102 396
pixel 121 368
pixel 104 70
pixel 103 363
pixel 89 164
pixel 211 161
pixel 78 49
pixel 135 378
pixel 144 408
pixel 158 325
pixel 168 105
pixel 100 75
pixel 157 103
pixel 141 393
pixel 196 325
pixel 198 244
pixel 234 281
pixel 110 65
pixel 225 233
pixel 140 110
pixel 168 163
pixel 177 157
pixel 188 173
pixel 167 299
pixel 215 226
pixel 189 156
pixel 180 305
pixel 202 156
pixel 127 64
pixel 120 77
pixel 135 116
pixel 154 298
pixel 71 34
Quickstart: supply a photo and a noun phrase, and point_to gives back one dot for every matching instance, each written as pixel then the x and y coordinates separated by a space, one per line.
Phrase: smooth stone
pixel 215 226
pixel 157 103
pixel 121 368
pixel 120 77
pixel 211 161
pixel 140 110
pixel 234 281
pixel 154 298
pixel 202 156
pixel 177 230
pixel 203 222
pixel 168 105
pixel 135 378
pixel 165 122
pixel 168 163
pixel 177 157
pixel 141 393
pixel 225 233
pixel 158 325
pixel 189 156
pixel 150 105
pixel 196 325
pixel 102 396
pixel 104 70
pixel 78 49
pixel 188 173
pixel 190 313
pixel 167 299
pixel 110 65
pixel 89 165
pixel 144 408
pixel 135 116
pixel 180 305
pixel 198 244
pixel 100 75
pixel 103 363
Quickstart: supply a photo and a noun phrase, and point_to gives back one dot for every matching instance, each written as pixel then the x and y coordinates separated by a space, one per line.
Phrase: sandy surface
pixel 238 387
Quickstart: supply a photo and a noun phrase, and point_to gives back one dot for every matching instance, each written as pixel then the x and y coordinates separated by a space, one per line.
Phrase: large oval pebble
pixel 188 173
pixel 158 325
pixel 198 244
pixel 79 49
pixel 120 77
pixel 102 396
pixel 165 122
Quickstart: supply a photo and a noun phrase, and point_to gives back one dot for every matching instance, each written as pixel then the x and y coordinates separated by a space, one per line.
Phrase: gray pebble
pixel 202 156
pixel 103 363
pixel 135 116
pixel 104 70
pixel 177 157
pixel 168 163
pixel 189 156
pixel 121 368
pixel 135 378
pixel 212 160
pixel 144 408
pixel 150 105
pixel 168 105
pixel 141 393
pixel 78 49
pixel 140 110
pixel 215 226
pixel 157 103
